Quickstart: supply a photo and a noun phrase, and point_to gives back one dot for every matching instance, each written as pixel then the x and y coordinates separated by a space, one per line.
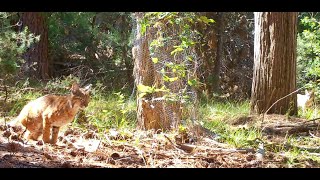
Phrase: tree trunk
pixel 38 53
pixel 219 54
pixel 274 73
pixel 148 112
pixel 153 112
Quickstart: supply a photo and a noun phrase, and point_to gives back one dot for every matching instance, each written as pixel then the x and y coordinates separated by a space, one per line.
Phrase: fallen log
pixel 290 129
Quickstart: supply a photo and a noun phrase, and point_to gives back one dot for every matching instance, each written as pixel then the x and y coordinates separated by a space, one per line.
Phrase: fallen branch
pixel 173 144
pixel 312 120
pixel 290 128
pixel 187 147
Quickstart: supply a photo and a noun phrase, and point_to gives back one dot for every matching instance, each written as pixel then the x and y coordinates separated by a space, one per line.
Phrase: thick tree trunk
pixel 153 112
pixel 38 53
pixel 148 112
pixel 274 62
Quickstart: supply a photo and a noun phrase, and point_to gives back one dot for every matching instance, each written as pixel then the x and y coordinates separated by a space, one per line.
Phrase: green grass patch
pixel 111 110
pixel 223 110
pixel 217 117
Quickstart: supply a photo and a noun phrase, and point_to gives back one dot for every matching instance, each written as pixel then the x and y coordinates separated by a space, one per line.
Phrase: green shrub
pixel 308 46
pixel 12 45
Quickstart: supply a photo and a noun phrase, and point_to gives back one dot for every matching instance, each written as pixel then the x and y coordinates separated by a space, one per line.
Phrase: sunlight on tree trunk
pixel 274 62
pixel 152 111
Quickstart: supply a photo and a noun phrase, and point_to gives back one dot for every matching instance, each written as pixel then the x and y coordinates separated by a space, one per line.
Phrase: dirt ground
pixel 138 149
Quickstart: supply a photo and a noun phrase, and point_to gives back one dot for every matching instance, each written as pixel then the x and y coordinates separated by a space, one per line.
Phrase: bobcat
pixel 50 112
pixel 304 101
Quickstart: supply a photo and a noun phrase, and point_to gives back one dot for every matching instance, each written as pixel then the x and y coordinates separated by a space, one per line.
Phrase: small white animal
pixel 304 101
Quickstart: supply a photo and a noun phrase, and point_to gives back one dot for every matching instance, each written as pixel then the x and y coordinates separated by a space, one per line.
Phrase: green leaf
pixel 155 60
pixel 178 49
pixel 206 20
pixel 162 89
pixel 189 58
pixel 192 82
pixel 142 94
pixel 169 79
pixel 143 88
pixel 154 43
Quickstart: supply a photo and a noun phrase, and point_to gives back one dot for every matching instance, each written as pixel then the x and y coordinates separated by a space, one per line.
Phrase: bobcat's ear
pixel 74 87
pixel 88 88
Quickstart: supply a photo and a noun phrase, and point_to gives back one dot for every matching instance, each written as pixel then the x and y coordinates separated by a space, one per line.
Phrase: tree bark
pixel 274 73
pixel 153 112
pixel 148 114
pixel 38 52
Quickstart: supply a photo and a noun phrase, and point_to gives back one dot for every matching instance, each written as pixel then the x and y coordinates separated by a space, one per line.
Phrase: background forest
pixel 200 68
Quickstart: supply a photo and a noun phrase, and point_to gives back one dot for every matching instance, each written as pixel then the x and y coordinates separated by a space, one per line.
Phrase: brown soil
pixel 135 149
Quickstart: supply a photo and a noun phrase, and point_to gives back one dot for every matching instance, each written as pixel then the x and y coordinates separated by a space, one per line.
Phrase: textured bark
pixel 38 53
pixel 148 114
pixel 274 73
pixel 152 111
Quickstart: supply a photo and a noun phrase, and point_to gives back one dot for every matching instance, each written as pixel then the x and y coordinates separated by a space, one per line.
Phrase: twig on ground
pixel 282 99
pixel 108 139
pixel 170 141
pixel 179 147
pixel 315 119
pixel 140 152
pixel 314 136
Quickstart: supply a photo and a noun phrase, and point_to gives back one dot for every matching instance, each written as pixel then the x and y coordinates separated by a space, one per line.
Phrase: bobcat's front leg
pixel 46 130
pixel 55 133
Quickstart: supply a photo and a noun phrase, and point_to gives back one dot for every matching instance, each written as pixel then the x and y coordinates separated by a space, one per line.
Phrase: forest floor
pixel 137 149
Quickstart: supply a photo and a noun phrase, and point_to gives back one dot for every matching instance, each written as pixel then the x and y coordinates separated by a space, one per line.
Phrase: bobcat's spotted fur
pixel 50 112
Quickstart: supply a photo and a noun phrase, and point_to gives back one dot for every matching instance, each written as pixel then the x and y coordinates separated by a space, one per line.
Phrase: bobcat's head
pixel 82 94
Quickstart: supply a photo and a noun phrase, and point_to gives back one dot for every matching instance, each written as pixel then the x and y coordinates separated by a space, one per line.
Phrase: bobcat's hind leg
pixel 46 131
pixel 55 133
pixel 33 129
